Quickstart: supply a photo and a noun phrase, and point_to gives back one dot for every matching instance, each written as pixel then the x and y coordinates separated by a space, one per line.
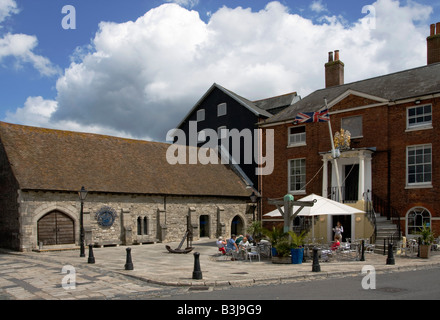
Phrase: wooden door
pixel 56 228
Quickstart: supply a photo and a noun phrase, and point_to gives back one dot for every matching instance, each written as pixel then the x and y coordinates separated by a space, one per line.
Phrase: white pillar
pixel 325 177
pixel 361 175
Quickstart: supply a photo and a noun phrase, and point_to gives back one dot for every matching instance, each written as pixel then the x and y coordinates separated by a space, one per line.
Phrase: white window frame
pixel 302 176
pixel 221 109
pixel 421 211
pixel 200 115
pixel 299 139
pixel 351 131
pixel 422 184
pixel 423 124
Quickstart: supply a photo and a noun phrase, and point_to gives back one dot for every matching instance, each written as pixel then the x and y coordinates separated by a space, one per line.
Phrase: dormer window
pixel 221 109
pixel 201 115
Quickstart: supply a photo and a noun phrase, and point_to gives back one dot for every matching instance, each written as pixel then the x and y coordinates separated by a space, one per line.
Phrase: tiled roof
pixel 401 85
pixel 46 159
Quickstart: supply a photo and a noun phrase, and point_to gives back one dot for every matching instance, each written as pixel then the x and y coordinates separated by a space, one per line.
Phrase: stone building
pixel 134 194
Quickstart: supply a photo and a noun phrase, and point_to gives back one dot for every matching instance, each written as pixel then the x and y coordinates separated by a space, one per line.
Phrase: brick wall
pixel 384 128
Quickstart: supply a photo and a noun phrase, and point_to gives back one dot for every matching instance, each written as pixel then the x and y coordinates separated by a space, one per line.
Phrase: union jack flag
pixel 320 116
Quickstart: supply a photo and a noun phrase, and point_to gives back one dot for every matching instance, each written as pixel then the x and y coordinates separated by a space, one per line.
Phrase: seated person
pixel 238 240
pixel 221 245
pixel 244 244
pixel 336 244
pixel 231 245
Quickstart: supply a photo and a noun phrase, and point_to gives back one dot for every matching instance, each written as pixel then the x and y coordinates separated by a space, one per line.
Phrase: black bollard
pixel 316 267
pixel 91 257
pixel 128 263
pixel 390 259
pixel 362 251
pixel 197 273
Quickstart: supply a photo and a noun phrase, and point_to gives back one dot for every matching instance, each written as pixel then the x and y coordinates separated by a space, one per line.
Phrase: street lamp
pixel 82 196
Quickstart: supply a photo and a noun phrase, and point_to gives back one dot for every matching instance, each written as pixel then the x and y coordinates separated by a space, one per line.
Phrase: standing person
pixel 339 229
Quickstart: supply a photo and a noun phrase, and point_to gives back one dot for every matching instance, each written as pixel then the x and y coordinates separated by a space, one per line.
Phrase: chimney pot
pixel 334 70
pixel 433 44
pixel 330 56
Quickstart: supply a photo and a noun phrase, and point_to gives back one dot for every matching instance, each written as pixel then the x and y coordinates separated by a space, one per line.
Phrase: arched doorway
pixel 56 228
pixel 237 226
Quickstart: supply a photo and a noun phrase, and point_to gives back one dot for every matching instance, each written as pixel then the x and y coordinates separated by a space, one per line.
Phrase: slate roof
pixel 401 85
pixel 56 160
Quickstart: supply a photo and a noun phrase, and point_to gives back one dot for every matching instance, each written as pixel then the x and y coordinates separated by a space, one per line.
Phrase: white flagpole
pixel 334 153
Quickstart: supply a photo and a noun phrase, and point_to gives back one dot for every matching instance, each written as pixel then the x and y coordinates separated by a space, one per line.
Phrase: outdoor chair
pixel 253 252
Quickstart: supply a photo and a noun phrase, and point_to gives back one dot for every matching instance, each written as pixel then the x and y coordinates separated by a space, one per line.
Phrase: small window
pixel 419 165
pixel 419 116
pixel 297 136
pixel 415 220
pixel 353 125
pixel 221 109
pixel 297 174
pixel 201 115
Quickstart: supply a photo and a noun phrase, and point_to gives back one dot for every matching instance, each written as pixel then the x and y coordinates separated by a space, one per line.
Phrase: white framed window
pixel 354 125
pixel 201 115
pixel 419 165
pixel 416 218
pixel 221 109
pixel 419 117
pixel 297 175
pixel 297 136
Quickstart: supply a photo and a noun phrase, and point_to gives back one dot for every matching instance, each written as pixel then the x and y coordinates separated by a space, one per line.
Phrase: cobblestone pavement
pixel 158 273
pixel 24 278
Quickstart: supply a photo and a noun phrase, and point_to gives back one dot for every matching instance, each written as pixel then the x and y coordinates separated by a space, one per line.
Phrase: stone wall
pixel 138 218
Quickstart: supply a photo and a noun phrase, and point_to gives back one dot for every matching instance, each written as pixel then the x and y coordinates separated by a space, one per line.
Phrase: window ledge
pixel 425 127
pixel 302 144
pixel 419 186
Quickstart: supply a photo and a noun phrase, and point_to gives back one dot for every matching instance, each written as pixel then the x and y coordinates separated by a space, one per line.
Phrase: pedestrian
pixel 338 230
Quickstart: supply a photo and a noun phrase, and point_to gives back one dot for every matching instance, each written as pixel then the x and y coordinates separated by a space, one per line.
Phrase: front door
pixel 56 228
pixel 351 190
pixel 204 226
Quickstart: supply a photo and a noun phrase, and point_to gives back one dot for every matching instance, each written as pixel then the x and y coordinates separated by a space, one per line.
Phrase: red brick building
pixel 392 159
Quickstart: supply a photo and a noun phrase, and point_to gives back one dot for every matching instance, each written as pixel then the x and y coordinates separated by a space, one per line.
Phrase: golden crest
pixel 342 139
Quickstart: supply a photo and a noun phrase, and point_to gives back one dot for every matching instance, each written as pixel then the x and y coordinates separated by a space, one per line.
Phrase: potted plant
pixel 283 251
pixel 426 240
pixel 275 235
pixel 297 246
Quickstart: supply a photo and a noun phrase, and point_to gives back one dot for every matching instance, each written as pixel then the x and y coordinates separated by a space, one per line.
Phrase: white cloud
pixel 21 46
pixel 141 77
pixel 185 3
pixel 7 8
pixel 317 6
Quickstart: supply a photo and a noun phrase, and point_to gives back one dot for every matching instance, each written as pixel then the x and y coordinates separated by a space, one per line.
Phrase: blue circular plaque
pixel 106 216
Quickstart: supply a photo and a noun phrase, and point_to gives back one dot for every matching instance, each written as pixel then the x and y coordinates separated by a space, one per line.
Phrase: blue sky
pixel 135 68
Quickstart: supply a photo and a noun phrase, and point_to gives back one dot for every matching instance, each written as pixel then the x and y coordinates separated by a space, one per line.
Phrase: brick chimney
pixel 334 70
pixel 433 43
